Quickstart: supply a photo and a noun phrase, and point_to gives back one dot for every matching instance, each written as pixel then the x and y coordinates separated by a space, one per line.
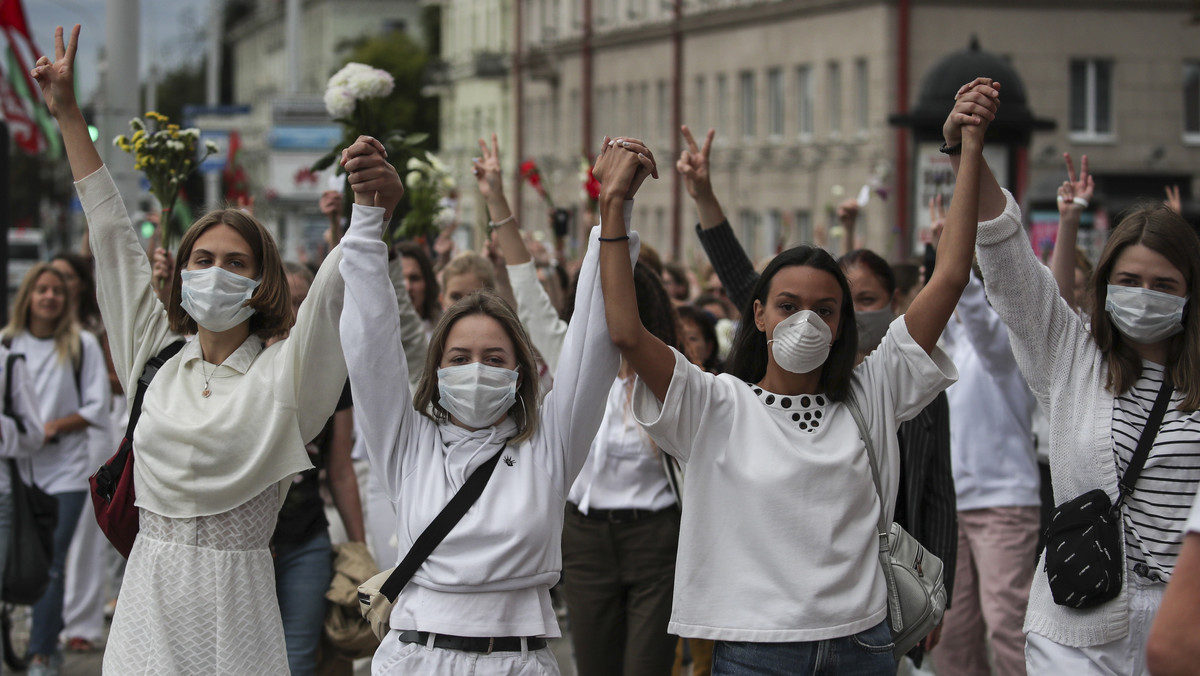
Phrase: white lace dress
pixel 199 596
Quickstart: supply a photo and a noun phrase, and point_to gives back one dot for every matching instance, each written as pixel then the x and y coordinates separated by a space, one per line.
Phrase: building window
pixel 664 112
pixel 804 102
pixel 775 103
pixel 1091 99
pixel 863 86
pixel 722 102
pixel 772 233
pixel 699 114
pixel 835 99
pixel 746 81
pixel 1191 101
pixel 748 224
pixel 804 227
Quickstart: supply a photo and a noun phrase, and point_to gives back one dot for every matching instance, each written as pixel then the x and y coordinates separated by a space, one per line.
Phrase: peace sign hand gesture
pixel 486 169
pixel 57 78
pixel 1079 188
pixel 693 164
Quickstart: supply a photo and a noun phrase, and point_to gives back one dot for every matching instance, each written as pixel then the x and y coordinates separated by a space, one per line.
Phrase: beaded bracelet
pixel 493 226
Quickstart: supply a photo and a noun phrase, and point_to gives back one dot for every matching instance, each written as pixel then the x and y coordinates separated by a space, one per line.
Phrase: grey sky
pixel 171 32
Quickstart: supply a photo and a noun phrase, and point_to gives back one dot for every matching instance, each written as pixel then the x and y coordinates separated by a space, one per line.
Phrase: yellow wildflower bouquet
pixel 167 156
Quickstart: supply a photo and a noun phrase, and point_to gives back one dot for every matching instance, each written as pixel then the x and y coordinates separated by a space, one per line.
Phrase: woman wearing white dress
pixel 778 549
pixel 70 380
pixel 224 423
pixel 481 602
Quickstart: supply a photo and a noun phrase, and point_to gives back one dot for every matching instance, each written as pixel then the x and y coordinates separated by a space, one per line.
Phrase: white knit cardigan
pixel 1067 373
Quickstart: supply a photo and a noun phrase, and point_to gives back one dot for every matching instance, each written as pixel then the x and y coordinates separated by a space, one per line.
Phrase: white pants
pixel 90 557
pixel 1122 657
pixel 396 657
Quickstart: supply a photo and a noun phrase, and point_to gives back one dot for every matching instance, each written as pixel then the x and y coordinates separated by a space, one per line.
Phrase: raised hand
pixel 693 164
pixel 1075 194
pixel 372 178
pixel 57 78
pixel 1173 201
pixel 487 171
pixel 974 108
pixel 937 218
pixel 629 168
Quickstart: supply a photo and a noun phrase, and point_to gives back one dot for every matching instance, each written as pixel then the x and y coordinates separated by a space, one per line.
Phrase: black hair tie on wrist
pixel 622 238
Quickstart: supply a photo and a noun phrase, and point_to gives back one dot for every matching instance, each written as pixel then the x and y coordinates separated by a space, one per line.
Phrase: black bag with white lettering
pixel 1083 559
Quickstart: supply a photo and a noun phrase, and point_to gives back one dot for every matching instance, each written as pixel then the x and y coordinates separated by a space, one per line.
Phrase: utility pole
pixel 212 92
pixel 519 100
pixel 676 122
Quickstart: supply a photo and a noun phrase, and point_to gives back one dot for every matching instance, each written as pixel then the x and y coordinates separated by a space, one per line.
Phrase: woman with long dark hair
pixel 778 553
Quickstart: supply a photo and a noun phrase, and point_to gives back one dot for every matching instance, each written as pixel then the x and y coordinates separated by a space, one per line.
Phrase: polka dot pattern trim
pixel 805 410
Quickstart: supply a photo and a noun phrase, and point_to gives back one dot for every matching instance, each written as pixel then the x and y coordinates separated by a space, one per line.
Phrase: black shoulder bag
pixel 35 515
pixel 1083 541
pixel 376 595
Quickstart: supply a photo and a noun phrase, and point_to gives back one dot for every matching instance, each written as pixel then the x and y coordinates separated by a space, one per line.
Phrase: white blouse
pixel 778 539
pixel 199 456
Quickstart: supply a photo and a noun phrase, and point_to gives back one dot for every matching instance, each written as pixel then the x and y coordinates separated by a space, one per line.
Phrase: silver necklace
pixel 206 392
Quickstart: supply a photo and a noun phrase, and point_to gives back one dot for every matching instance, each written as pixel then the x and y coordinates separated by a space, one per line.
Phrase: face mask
pixel 1144 316
pixel 801 342
pixel 872 326
pixel 477 394
pixel 216 298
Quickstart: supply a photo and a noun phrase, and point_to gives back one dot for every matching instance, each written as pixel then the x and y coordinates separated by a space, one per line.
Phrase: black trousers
pixel 618 579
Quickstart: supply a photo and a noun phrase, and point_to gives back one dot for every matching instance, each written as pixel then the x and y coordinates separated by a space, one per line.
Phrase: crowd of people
pixel 680 461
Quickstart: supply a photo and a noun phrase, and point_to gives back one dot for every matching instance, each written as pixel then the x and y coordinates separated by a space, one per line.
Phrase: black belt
pixel 474 644
pixel 618 515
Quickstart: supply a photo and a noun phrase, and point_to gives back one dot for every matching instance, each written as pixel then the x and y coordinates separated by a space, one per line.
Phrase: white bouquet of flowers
pixel 355 82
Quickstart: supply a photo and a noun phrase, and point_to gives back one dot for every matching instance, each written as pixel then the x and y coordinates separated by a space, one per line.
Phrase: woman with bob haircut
pixel 481 602
pixel 776 469
pixel 1097 378
pixel 224 422
pixel 70 383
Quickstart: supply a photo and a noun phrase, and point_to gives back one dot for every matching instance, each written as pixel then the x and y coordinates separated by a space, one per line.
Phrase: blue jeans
pixel 863 654
pixel 48 611
pixel 6 514
pixel 303 571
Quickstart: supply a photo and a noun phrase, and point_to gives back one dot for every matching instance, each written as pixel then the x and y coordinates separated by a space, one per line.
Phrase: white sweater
pixel 491 575
pixel 1067 374
pixel 199 456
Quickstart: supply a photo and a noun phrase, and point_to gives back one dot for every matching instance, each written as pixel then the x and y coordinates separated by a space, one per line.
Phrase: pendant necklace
pixel 207 377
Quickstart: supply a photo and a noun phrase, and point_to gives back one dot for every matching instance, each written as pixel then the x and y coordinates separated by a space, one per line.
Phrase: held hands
pixel 622 173
pixel 974 109
pixel 57 78
pixel 373 180
pixel 1075 194
pixel 693 165
pixel 486 168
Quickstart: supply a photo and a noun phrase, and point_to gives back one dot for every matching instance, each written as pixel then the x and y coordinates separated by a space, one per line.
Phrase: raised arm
pixel 621 171
pixel 728 258
pixel 973 110
pixel 57 81
pixel 412 329
pixel 536 312
pixel 372 343
pixel 1074 195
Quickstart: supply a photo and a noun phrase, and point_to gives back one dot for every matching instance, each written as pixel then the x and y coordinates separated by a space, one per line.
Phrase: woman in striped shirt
pixel 1097 381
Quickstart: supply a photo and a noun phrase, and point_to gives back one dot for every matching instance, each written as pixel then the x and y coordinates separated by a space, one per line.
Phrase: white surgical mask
pixel 872 327
pixel 801 342
pixel 1142 315
pixel 216 298
pixel 477 394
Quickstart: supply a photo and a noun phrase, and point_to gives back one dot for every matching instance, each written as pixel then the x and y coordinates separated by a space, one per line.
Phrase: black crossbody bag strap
pixel 440 527
pixel 106 479
pixel 1149 432
pixel 9 409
